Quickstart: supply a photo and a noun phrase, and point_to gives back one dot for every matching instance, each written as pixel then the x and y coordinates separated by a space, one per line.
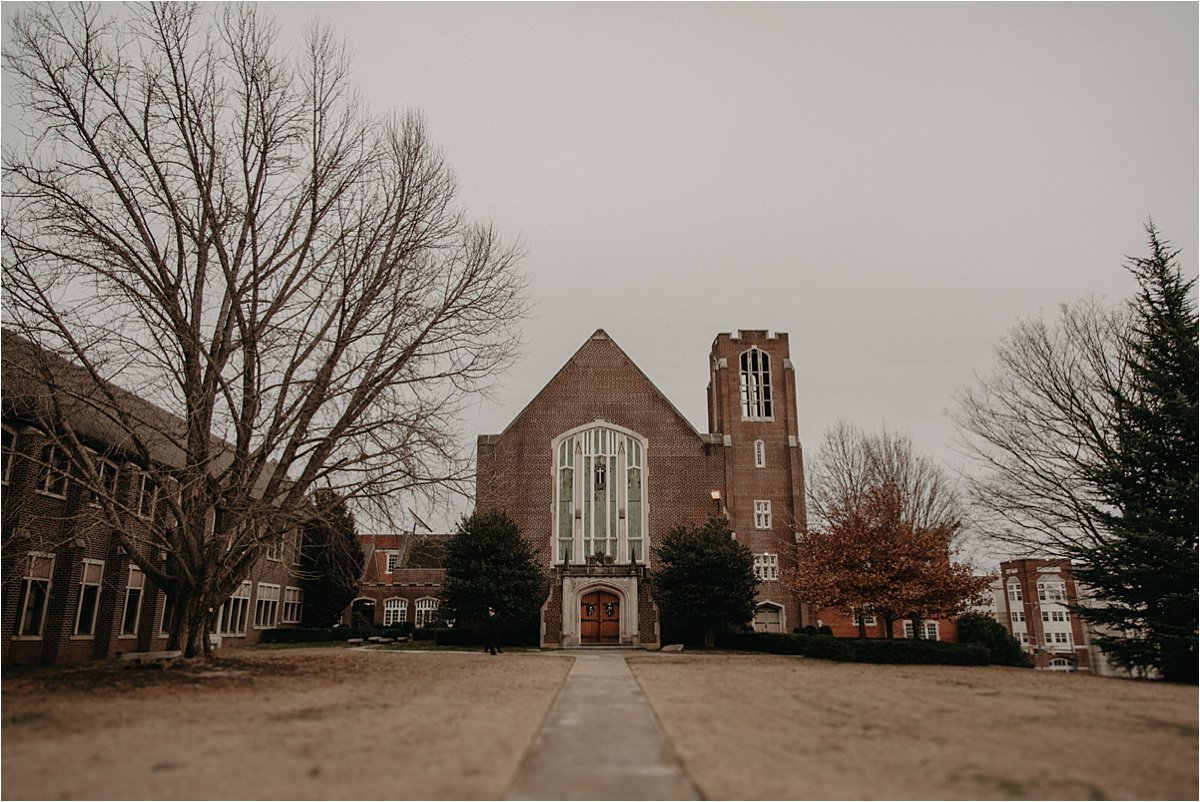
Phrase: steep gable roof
pixel 600 340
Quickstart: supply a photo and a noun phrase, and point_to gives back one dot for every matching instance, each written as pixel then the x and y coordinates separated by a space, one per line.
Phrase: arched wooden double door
pixel 599 619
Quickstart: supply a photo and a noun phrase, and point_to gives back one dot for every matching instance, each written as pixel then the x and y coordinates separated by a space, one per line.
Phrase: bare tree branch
pixel 228 233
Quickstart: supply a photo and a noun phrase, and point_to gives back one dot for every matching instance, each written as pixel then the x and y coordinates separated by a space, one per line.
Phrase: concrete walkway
pixel 601 740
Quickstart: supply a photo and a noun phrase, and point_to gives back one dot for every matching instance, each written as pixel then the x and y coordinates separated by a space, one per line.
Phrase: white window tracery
pixel 600 491
pixel 756 383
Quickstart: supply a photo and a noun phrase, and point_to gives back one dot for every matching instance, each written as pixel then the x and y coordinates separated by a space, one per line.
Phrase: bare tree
pixel 1040 425
pixel 851 465
pixel 228 232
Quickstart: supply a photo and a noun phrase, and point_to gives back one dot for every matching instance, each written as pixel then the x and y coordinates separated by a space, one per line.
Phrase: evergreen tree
pixel 705 578
pixel 489 564
pixel 331 559
pixel 1003 648
pixel 1144 570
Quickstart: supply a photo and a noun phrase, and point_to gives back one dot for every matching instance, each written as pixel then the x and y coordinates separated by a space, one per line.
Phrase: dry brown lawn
pixel 329 723
pixel 336 723
pixel 766 727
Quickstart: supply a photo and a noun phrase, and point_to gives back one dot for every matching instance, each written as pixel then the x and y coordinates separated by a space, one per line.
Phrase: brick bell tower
pixel 752 407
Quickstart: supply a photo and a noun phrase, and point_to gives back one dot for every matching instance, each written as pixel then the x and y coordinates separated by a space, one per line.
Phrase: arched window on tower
pixel 760 454
pixel 756 384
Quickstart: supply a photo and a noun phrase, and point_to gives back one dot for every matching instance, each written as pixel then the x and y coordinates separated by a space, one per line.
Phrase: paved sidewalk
pixel 601 740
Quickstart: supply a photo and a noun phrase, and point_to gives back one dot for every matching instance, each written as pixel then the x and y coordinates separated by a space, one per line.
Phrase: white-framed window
pixel 8 452
pixel 760 454
pixel 1014 591
pixel 600 478
pixel 870 622
pixel 34 593
pixel 297 541
pixel 1062 638
pixel 266 606
pixel 134 591
pixel 107 470
pixel 1024 637
pixel 147 495
pixel 766 567
pixel 1017 616
pixel 756 384
pixel 426 612
pixel 293 605
pixel 393 561
pixel 1051 591
pixel 274 551
pixel 53 471
pixel 164 626
pixel 89 598
pixel 395 611
pixel 929 630
pixel 231 618
pixel 1060 664
pixel 762 514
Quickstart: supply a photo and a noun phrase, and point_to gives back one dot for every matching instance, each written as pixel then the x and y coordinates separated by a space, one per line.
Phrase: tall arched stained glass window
pixel 566 496
pixel 633 494
pixel 600 493
pixel 756 384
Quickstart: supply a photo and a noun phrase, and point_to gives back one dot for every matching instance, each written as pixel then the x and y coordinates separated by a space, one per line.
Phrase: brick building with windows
pixel 1033 599
pixel 70 591
pixel 401 582
pixel 600 465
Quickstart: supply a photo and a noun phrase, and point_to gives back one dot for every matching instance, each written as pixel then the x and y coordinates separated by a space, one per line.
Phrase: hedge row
pixel 327 634
pixel 858 650
pixel 314 634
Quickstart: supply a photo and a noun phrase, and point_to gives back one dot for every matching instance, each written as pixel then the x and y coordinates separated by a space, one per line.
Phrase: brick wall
pixel 515 470
pixel 73 531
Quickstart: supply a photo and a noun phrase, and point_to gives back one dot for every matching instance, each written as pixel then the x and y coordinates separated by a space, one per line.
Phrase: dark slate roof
pixel 101 412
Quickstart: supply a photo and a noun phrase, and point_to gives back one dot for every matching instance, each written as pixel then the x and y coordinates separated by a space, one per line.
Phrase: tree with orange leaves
pixel 887 520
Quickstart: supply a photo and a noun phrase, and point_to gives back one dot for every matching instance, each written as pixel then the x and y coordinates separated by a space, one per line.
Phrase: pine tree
pixel 331 559
pixel 489 564
pixel 1145 570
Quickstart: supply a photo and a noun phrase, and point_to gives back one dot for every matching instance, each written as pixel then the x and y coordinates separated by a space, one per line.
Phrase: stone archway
pixel 613 618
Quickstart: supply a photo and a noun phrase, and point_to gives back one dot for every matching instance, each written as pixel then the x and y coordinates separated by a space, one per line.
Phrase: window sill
pixel 48 494
pixel 127 636
pixel 83 637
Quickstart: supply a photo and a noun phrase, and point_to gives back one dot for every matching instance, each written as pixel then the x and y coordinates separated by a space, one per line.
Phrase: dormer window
pixel 756 384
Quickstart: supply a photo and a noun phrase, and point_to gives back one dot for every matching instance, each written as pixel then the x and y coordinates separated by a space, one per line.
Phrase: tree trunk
pixel 888 626
pixel 862 626
pixel 710 637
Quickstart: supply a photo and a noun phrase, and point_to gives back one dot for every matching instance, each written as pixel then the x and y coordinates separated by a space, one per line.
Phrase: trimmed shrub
pixel 508 633
pixel 314 634
pixel 1003 649
pixel 858 650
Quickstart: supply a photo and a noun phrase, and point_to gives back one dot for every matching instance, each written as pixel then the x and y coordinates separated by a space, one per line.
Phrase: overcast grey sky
pixel 892 184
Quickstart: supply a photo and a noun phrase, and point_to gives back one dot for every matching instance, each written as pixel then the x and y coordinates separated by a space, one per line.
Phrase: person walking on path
pixel 489 630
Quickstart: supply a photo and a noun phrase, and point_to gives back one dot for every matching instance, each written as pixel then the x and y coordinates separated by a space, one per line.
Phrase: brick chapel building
pixel 600 465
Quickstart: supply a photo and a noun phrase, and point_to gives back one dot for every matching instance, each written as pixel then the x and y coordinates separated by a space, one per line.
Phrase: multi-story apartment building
pixel 70 591
pixel 1034 600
